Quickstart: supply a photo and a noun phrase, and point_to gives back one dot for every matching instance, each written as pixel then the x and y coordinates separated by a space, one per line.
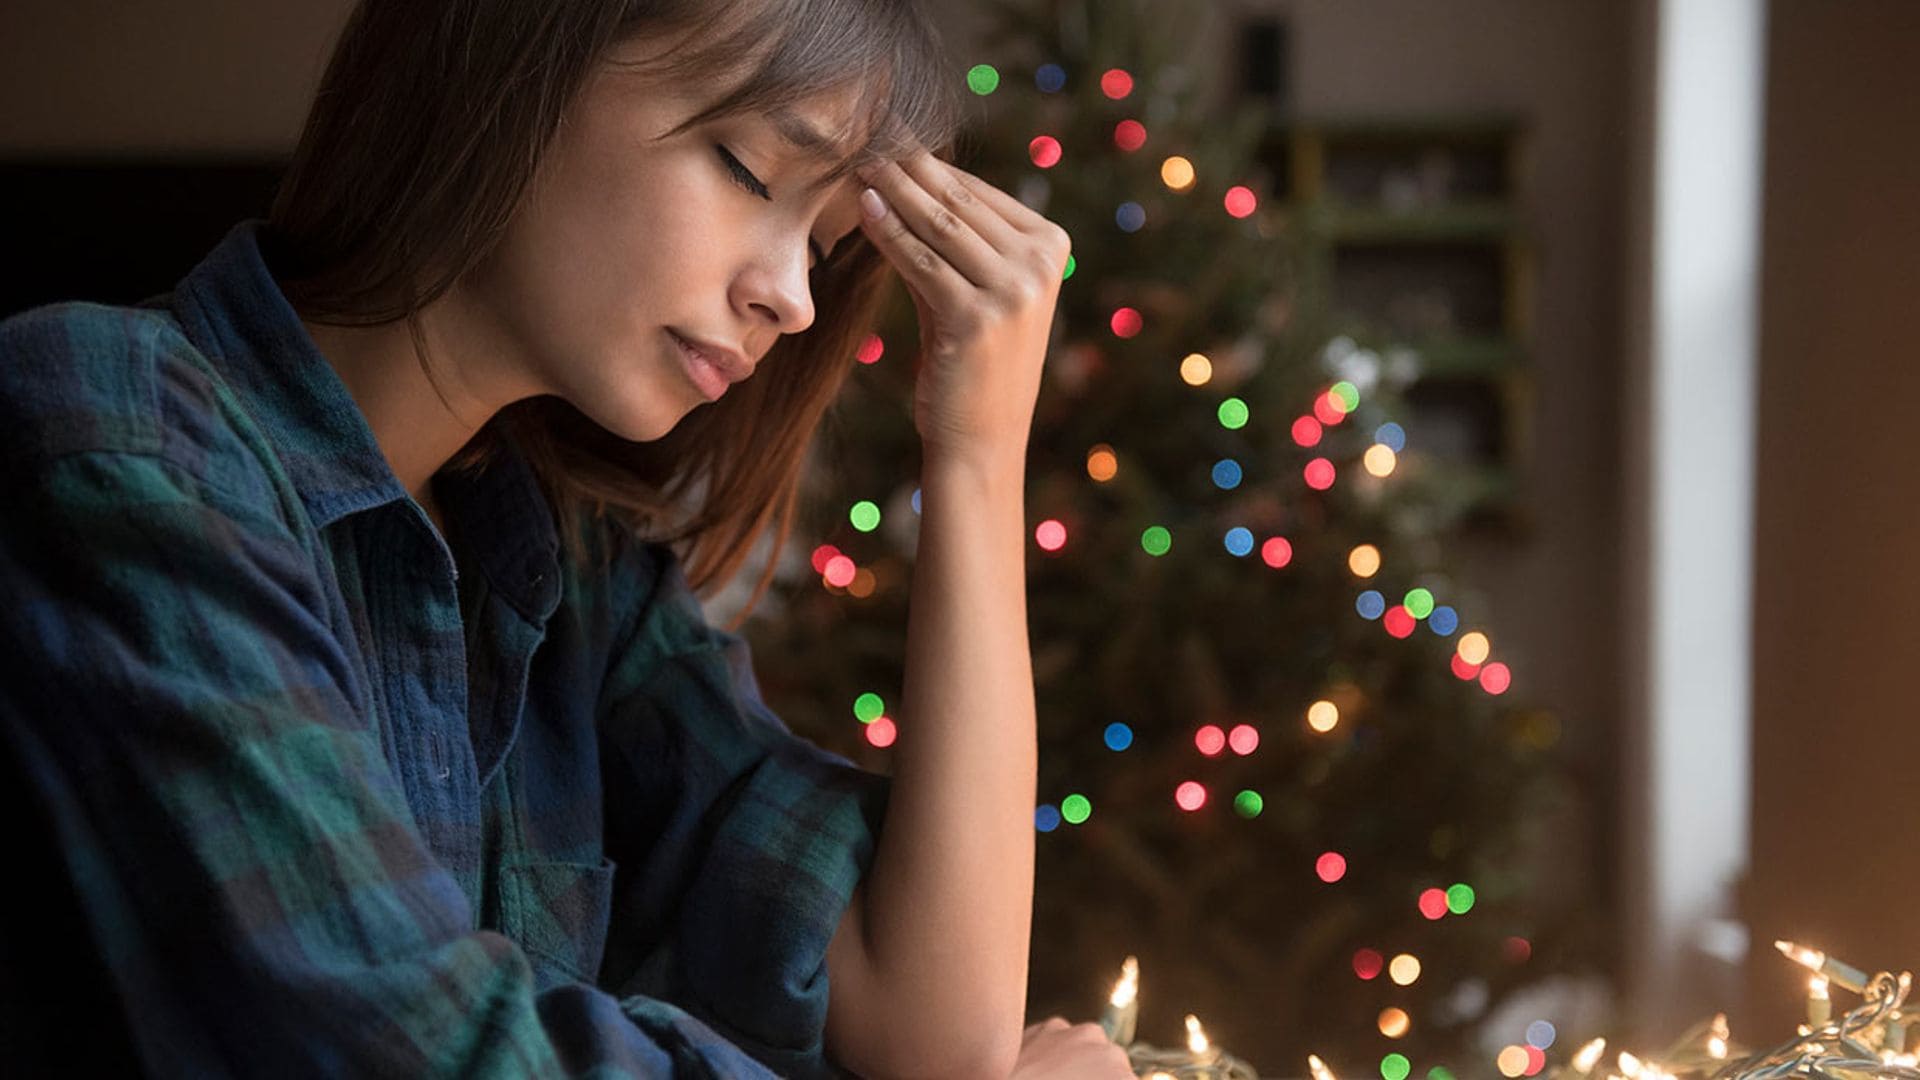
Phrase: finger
pixel 938 226
pixel 927 274
pixel 1017 214
pixel 1041 237
pixel 950 187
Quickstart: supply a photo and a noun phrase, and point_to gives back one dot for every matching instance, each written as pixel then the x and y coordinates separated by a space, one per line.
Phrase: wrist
pixel 998 467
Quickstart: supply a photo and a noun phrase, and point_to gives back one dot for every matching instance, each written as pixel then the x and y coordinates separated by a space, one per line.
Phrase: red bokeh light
pixel 1319 473
pixel 1332 866
pixel 1244 739
pixel 881 732
pixel 821 556
pixel 1464 671
pixel 1495 678
pixel 1126 322
pixel 1116 83
pixel 1400 622
pixel 871 349
pixel 1326 409
pixel 1051 535
pixel 1368 964
pixel 1433 903
pixel 1306 431
pixel 1241 201
pixel 1276 552
pixel 839 572
pixel 1190 796
pixel 1045 151
pixel 1129 135
pixel 1210 740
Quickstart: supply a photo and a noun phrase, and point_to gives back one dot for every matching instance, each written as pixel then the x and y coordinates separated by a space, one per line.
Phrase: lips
pixel 704 367
pixel 728 362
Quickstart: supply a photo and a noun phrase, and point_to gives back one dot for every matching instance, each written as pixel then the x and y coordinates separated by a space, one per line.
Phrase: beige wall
pixel 1837 565
pixel 191 77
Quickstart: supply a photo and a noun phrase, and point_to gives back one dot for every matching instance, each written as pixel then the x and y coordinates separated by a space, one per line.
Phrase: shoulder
pixel 84 378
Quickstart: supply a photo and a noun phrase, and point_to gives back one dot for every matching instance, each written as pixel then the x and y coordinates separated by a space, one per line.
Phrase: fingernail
pixel 872 205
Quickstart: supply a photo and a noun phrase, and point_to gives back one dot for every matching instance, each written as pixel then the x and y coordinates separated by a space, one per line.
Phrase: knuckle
pixel 945 221
pixel 957 195
pixel 924 261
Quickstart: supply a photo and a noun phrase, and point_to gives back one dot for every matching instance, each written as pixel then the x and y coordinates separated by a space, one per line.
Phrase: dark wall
pixel 1837 561
pixel 117 231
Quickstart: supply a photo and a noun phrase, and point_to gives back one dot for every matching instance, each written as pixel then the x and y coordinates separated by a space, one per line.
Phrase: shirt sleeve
pixel 739 843
pixel 238 884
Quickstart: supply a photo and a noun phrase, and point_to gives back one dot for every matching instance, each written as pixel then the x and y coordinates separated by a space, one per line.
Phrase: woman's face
pixel 631 247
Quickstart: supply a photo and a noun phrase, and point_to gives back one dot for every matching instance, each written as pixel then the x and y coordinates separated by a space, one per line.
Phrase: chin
pixel 634 421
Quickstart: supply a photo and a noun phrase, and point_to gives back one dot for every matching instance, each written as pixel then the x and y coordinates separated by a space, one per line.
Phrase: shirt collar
pixel 234 312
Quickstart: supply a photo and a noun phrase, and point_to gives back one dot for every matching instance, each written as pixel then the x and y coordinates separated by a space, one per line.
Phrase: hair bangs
pixel 779 53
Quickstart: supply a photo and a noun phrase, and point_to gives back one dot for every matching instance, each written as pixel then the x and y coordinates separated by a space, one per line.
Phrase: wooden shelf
pixel 1415 223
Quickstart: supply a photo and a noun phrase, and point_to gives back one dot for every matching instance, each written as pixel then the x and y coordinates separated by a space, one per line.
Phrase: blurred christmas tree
pixel 1276 758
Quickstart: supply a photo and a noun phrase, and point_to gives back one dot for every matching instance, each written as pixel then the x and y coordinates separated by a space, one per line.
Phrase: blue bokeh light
pixel 1371 605
pixel 1226 474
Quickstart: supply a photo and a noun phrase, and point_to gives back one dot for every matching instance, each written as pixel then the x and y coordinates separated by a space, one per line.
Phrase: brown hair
pixel 428 127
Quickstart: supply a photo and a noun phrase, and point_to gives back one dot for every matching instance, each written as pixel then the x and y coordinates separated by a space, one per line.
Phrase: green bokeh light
pixel 1233 414
pixel 864 515
pixel 1348 394
pixel 1070 265
pixel 1439 1072
pixel 1419 603
pixel 1075 809
pixel 1460 899
pixel 868 707
pixel 1156 540
pixel 983 79
pixel 1395 1067
pixel 1248 804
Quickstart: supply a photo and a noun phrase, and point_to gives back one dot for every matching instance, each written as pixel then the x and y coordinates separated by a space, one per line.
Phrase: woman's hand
pixel 984 271
pixel 1054 1048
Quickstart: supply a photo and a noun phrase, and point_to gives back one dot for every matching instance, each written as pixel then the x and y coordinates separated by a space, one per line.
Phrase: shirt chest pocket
pixel 557 912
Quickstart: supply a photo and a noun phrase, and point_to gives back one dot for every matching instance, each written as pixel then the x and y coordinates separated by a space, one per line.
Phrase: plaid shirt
pixel 299 787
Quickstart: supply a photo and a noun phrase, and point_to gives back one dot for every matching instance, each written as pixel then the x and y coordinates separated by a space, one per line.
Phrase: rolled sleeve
pixel 739 843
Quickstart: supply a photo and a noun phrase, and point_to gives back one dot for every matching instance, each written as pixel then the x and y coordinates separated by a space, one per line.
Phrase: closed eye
pixel 744 177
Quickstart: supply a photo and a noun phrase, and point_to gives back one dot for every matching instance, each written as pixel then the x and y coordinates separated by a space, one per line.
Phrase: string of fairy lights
pixel 1400 615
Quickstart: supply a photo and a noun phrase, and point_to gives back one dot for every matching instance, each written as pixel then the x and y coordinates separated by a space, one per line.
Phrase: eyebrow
pixel 802 135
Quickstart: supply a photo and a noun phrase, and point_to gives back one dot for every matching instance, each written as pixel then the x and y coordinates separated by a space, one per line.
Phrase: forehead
pixel 829 126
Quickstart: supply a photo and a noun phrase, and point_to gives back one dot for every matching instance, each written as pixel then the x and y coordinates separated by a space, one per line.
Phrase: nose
pixel 774 289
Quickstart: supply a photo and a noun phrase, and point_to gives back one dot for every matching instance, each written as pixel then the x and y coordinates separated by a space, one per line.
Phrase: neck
pixel 417 426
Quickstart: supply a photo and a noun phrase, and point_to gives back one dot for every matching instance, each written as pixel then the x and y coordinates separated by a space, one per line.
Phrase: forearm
pixel 948 902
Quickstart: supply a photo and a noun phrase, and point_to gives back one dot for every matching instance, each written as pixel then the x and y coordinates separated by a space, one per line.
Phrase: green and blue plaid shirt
pixel 298 788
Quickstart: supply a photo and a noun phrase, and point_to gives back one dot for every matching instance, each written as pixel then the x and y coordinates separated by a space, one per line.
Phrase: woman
pixel 363 717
